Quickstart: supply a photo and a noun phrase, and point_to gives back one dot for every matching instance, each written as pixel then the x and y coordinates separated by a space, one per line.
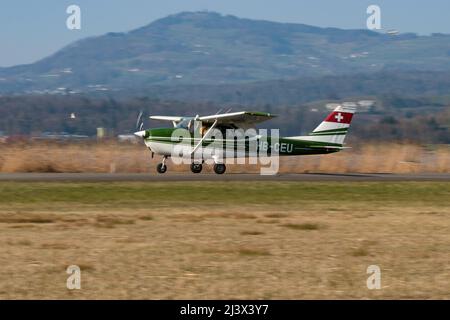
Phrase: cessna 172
pixel 206 137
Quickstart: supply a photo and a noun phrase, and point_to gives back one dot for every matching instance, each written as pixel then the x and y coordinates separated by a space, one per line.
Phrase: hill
pixel 402 84
pixel 192 48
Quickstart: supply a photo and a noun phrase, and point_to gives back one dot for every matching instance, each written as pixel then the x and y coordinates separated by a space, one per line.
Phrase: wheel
pixel 161 168
pixel 219 168
pixel 196 167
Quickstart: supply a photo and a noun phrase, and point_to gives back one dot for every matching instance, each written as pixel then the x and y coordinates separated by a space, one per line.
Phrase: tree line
pixel 392 119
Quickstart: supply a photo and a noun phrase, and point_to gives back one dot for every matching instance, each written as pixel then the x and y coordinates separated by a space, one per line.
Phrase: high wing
pixel 167 118
pixel 175 120
pixel 239 119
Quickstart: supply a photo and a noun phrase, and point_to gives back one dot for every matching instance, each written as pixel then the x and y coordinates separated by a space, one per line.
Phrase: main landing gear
pixel 196 167
pixel 219 168
pixel 161 167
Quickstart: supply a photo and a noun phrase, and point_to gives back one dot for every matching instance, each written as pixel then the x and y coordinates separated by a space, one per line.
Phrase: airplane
pixel 392 32
pixel 202 138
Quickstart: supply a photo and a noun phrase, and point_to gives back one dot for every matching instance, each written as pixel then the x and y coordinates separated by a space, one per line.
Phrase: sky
pixel 32 30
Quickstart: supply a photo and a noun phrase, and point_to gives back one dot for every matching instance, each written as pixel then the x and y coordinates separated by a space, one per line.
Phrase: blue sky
pixel 31 30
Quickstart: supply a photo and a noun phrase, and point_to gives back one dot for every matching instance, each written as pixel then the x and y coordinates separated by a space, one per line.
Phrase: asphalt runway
pixel 112 177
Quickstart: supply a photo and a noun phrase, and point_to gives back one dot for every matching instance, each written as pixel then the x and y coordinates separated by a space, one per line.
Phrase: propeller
pixel 139 122
pixel 140 129
pixel 140 125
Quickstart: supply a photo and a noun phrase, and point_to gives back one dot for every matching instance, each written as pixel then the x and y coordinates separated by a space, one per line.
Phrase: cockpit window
pixel 184 124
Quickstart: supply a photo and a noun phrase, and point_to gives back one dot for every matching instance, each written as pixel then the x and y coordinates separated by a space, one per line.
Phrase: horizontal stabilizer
pixel 330 147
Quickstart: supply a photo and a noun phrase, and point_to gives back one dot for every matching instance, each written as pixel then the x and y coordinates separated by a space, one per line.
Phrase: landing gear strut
pixel 219 168
pixel 196 167
pixel 161 167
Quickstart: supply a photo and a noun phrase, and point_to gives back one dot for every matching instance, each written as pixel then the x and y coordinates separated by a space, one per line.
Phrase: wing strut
pixel 204 137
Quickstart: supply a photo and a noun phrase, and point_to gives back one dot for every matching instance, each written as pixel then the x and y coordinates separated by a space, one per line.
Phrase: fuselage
pixel 163 141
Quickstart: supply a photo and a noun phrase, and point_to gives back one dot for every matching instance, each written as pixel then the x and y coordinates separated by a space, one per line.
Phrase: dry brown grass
pixel 129 158
pixel 375 158
pixel 73 157
pixel 297 248
pixel 224 257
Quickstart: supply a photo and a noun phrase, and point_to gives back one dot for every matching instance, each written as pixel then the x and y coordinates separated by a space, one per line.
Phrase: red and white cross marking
pixel 340 117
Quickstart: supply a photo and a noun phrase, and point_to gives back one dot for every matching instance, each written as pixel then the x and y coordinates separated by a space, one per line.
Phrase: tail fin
pixel 335 126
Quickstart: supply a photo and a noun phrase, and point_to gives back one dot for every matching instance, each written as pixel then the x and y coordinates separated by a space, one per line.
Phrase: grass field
pixel 234 240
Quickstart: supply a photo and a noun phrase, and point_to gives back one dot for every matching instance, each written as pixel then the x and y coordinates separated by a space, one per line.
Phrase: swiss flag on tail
pixel 340 117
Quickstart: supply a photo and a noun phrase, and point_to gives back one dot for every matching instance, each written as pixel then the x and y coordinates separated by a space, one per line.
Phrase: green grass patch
pixel 172 194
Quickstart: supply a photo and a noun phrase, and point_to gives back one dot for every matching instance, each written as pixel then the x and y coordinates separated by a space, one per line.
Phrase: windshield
pixel 184 124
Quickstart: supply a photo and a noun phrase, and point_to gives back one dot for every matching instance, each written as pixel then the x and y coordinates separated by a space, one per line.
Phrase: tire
pixel 161 168
pixel 196 167
pixel 220 168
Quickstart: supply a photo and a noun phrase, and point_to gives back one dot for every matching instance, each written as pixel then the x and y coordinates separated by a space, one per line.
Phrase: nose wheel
pixel 161 167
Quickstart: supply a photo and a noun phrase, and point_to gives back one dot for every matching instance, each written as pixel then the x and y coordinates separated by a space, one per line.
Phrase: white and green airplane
pixel 201 138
